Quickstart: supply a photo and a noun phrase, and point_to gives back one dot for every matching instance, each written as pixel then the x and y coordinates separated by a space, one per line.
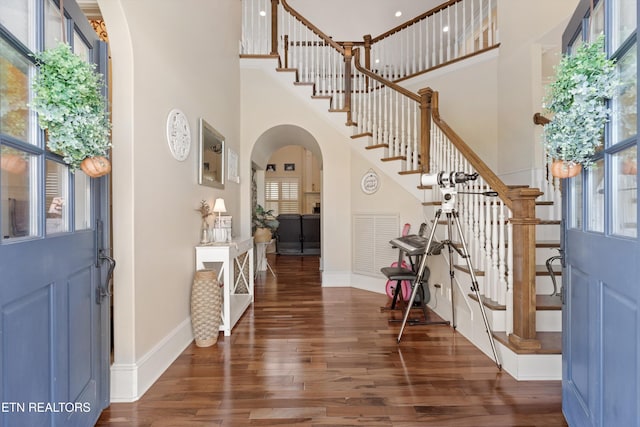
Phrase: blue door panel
pixel 27 356
pixel 80 339
pixel 620 357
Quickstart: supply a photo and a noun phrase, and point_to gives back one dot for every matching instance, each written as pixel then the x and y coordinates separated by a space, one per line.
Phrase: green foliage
pixel 264 219
pixel 70 106
pixel 577 100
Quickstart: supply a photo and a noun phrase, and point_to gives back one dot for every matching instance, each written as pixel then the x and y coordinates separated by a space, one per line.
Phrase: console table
pixel 234 262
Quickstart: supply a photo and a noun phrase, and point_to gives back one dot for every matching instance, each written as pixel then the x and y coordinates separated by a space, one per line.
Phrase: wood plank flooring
pixel 309 356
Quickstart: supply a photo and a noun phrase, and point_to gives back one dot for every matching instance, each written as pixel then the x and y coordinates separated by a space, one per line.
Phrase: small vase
pixel 204 232
pixel 562 169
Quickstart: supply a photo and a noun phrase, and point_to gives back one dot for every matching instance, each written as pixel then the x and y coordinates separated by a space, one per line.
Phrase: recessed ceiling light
pixel 398 14
pixel 445 28
pixel 263 13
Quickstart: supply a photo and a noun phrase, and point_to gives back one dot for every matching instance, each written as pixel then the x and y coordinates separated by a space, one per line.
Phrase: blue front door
pixel 601 315
pixel 54 325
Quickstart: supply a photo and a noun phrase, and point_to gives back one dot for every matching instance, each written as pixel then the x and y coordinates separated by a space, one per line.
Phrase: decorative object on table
pixel 205 212
pixel 71 109
pixel 577 100
pixel 206 307
pixel 266 224
pixel 178 134
pixel 370 182
pixel 211 161
pixel 225 222
pixel 219 234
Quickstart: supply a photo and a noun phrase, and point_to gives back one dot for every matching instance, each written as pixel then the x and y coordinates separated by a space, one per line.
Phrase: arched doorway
pixel 287 179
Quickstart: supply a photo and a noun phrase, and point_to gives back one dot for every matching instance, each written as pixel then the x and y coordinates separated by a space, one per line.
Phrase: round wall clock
pixel 370 182
pixel 178 134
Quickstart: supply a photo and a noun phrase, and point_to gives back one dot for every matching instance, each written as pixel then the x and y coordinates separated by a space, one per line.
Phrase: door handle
pixel 106 289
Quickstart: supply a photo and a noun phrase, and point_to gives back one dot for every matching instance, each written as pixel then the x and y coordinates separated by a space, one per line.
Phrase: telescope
pixel 447 179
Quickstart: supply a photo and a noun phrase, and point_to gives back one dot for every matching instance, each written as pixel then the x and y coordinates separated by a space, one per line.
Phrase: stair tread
pixel 410 172
pixel 549 222
pixel 544 203
pixel 436 203
pixel 543 302
pixel 425 187
pixel 391 159
pixel 551 343
pixel 361 135
pixel 373 147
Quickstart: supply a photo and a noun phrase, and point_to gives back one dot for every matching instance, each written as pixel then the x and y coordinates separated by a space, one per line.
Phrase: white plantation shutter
pixel 282 195
pixel 371 249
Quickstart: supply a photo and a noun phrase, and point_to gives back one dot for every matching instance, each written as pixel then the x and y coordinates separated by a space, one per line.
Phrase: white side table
pixel 234 262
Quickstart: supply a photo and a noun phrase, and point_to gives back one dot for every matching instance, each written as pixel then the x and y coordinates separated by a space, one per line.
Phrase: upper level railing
pixel 447 33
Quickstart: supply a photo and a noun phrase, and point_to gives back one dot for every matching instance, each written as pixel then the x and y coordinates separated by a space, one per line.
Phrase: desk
pixel 234 263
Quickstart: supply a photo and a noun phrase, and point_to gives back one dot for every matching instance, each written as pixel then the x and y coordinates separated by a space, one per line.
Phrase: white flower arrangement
pixel 70 106
pixel 577 100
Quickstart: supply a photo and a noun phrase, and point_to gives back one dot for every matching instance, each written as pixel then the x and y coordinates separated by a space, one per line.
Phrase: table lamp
pixel 219 235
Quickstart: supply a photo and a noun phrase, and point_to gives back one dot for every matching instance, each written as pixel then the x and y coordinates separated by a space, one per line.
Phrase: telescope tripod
pixel 452 215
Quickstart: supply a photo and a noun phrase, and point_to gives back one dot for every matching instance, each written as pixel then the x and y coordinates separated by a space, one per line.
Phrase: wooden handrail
pixel 312 27
pixel 382 80
pixel 481 167
pixel 414 20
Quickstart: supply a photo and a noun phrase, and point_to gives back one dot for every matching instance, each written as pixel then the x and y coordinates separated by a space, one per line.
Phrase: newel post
pixel 426 96
pixel 524 223
pixel 367 56
pixel 348 56
pixel 274 27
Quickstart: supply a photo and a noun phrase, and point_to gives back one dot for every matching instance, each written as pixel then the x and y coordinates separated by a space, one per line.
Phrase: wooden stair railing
pixel 393 116
pixel 452 31
pixel 515 266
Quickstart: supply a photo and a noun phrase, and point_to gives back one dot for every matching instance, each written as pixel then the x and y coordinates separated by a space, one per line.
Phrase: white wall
pixel 161 63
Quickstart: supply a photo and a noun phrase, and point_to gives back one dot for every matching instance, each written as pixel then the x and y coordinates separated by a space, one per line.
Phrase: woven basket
pixel 206 305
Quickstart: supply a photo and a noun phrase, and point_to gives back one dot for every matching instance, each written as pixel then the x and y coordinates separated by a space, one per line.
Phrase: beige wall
pixel 527 30
pixel 161 63
pixel 267 103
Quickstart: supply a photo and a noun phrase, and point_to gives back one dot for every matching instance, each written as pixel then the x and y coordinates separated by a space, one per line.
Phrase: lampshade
pixel 219 206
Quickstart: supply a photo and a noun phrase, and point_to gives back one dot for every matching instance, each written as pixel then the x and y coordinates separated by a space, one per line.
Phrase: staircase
pixel 403 132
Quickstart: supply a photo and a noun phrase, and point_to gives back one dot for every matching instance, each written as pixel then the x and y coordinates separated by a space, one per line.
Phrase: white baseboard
pixel 336 279
pixel 369 283
pixel 130 381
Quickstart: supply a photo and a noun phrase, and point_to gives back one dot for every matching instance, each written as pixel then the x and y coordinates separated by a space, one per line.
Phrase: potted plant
pixel 72 110
pixel 577 101
pixel 266 224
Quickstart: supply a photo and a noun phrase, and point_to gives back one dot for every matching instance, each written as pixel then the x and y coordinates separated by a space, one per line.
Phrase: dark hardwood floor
pixel 304 355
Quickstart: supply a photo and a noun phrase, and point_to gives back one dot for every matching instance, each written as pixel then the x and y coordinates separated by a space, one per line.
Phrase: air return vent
pixel 371 248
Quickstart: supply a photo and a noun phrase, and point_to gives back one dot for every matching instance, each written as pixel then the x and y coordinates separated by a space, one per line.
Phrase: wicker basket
pixel 206 305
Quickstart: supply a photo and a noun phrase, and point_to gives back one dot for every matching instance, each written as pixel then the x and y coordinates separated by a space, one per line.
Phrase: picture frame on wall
pixel 289 167
pixel 271 167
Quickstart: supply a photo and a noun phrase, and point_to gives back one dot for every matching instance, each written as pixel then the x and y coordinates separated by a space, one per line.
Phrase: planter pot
pixel 206 306
pixel 95 167
pixel 13 163
pixel 562 169
pixel 262 235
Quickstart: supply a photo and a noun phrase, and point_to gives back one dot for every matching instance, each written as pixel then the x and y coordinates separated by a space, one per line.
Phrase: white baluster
pixel 502 262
